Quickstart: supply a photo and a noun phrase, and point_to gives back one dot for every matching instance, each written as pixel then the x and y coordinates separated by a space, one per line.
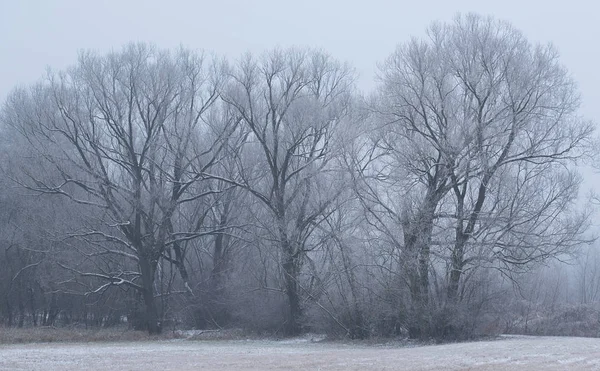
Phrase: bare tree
pixel 476 112
pixel 293 102
pixel 127 135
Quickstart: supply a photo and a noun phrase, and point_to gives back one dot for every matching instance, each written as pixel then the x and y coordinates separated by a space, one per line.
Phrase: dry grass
pixel 12 335
pixel 70 335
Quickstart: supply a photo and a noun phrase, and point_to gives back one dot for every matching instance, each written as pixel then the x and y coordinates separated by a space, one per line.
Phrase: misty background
pixel 351 287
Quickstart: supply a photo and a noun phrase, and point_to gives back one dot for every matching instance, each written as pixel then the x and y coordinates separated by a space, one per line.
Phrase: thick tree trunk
pixel 414 325
pixel 417 240
pixel 290 269
pixel 219 259
pixel 448 328
pixel 424 253
pixel 290 265
pixel 151 315
pixel 216 274
pixel 218 308
pixel 457 263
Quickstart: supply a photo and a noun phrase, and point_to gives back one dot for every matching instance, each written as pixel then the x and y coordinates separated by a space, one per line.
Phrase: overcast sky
pixel 35 34
pixel 39 33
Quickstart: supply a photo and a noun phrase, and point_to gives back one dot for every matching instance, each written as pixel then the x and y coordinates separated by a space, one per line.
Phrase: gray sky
pixel 39 33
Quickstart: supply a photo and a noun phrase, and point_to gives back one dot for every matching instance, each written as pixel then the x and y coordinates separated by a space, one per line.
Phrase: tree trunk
pixel 218 308
pixel 357 326
pixel 417 241
pixel 151 316
pixel 290 270
pixel 414 321
pixel 52 311
pixel 32 306
pixel 9 313
pixel 21 307
pixel 456 268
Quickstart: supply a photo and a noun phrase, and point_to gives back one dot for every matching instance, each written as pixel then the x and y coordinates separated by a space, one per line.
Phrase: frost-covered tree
pixel 473 159
pixel 294 103
pixel 128 135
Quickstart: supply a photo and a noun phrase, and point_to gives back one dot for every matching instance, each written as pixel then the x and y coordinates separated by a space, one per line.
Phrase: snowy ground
pixel 511 353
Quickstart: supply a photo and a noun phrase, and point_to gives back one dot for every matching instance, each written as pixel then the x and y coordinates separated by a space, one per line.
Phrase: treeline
pixel 177 189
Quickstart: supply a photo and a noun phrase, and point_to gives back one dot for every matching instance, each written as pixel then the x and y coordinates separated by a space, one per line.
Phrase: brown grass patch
pixel 54 334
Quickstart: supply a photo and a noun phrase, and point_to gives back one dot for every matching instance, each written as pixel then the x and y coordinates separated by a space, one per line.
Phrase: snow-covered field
pixel 511 353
